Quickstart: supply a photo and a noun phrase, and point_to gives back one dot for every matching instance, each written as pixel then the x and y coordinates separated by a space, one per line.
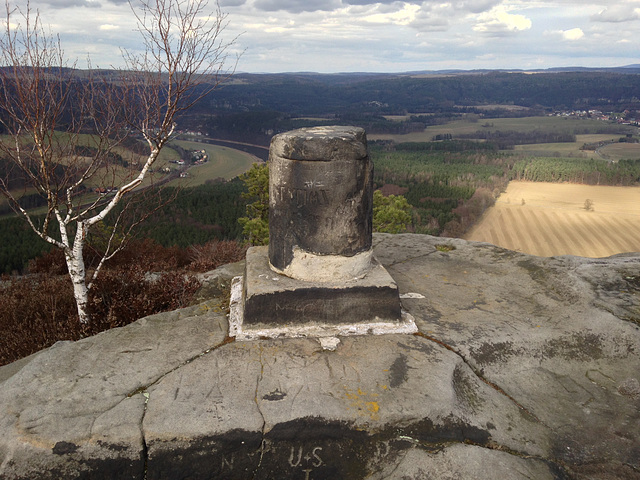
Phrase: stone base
pixel 265 304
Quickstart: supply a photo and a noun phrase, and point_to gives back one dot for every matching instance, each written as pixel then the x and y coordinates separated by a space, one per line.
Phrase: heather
pixel 37 309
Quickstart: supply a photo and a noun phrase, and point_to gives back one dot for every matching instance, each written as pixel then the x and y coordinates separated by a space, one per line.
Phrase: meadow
pixel 224 162
pixel 613 151
pixel 618 151
pixel 472 124
pixel 548 219
pixel 114 174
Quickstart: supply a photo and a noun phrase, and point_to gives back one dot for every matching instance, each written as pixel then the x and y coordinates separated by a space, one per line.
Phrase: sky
pixel 331 36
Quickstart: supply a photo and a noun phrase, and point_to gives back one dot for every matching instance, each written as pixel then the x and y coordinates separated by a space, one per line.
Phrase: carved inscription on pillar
pixel 300 197
pixel 320 193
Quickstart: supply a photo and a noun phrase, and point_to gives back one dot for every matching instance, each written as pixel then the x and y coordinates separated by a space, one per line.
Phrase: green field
pixel 114 175
pixel 619 151
pixel 567 149
pixel 614 151
pixel 223 162
pixel 578 126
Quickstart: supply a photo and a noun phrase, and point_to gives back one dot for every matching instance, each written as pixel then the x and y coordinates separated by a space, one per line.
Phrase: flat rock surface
pixel 524 368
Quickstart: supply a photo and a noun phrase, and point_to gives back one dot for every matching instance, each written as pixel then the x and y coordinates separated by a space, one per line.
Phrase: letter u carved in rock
pixel 295 463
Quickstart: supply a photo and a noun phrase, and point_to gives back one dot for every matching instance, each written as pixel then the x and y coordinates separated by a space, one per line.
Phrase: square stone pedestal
pixel 265 304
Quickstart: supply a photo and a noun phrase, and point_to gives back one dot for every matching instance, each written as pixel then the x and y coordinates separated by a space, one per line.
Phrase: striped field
pixel 548 219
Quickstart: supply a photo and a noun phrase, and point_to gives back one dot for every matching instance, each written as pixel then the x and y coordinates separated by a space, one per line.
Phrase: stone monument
pixel 318 277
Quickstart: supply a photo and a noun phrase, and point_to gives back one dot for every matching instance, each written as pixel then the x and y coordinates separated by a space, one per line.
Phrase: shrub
pixel 35 312
pixel 213 254
pixel 123 295
pixel 38 310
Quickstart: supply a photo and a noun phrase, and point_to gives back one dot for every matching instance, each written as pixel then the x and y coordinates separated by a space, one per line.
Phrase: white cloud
pixel 404 16
pixel 499 22
pixel 573 34
pixel 231 3
pixel 435 18
pixel 107 27
pixel 476 6
pixel 570 35
pixel 621 12
pixel 297 6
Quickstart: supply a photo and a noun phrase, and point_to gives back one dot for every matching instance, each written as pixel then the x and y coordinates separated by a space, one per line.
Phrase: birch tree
pixel 64 128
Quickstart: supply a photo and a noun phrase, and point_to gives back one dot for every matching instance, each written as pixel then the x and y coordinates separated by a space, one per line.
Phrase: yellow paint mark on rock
pixel 362 402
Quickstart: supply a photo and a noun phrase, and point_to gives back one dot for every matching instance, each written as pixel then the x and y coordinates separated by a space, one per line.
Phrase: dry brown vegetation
pixel 38 309
pixel 548 219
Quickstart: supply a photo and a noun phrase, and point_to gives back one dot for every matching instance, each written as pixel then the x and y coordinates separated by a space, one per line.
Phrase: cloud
pixel 231 3
pixel 476 6
pixel 618 13
pixel 434 18
pixel 370 2
pixel 403 16
pixel 59 4
pixel 297 6
pixel 381 35
pixel 430 24
pixel 498 22
pixel 573 34
pixel 570 35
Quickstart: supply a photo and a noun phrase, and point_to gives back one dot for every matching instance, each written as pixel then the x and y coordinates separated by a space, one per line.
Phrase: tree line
pixel 584 171
pixel 507 139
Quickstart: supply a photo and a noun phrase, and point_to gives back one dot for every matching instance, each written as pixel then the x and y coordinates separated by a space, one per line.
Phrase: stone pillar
pixel 320 203
pixel 318 277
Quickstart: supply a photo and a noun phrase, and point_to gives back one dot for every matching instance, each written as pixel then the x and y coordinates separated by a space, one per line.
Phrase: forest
pixel 315 94
pixel 449 184
pixel 254 107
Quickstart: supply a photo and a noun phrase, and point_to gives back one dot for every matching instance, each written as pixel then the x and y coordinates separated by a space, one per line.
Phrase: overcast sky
pixel 386 36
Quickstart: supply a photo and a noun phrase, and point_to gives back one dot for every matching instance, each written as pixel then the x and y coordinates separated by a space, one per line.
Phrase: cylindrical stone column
pixel 320 204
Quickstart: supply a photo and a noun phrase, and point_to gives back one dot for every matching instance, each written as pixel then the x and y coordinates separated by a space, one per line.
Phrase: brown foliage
pixel 51 262
pixel 213 254
pixel 35 312
pixel 392 189
pixel 150 256
pixel 38 310
pixel 123 295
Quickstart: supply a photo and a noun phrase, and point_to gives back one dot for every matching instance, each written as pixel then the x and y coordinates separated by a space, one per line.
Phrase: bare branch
pixel 67 127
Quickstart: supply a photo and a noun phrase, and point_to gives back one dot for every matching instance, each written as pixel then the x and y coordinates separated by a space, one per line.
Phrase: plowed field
pixel 549 219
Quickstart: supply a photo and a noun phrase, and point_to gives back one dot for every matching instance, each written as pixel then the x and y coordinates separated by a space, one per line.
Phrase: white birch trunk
pixel 75 265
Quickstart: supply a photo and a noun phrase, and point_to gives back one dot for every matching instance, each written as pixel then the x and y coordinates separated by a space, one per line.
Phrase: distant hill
pixel 429 91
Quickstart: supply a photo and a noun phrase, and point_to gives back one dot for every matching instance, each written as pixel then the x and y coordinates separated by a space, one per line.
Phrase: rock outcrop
pixel 523 368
